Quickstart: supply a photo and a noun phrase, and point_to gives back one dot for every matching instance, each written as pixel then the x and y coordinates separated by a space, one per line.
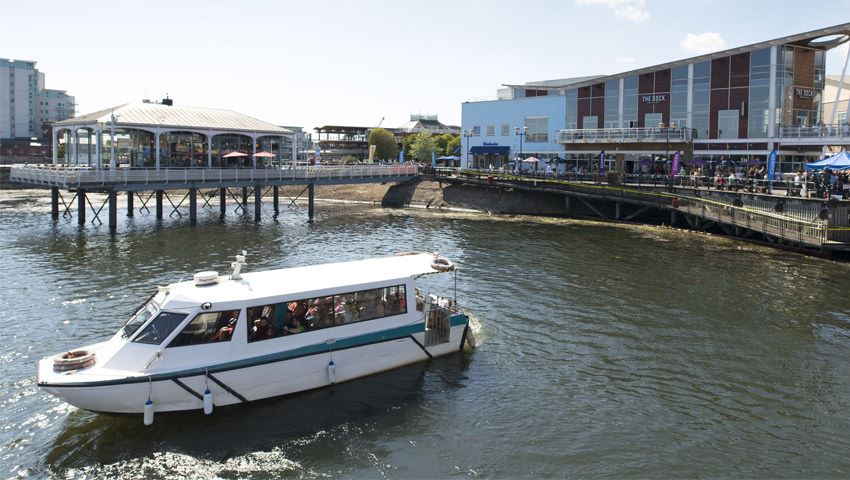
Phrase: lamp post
pixel 666 129
pixel 520 132
pixel 468 134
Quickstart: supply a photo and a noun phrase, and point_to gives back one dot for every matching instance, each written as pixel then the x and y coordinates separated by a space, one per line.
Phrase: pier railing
pixel 802 224
pixel 56 176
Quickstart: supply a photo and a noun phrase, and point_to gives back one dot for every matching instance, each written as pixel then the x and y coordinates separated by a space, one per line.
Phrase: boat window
pixel 142 315
pixel 207 327
pixel 160 328
pixel 288 318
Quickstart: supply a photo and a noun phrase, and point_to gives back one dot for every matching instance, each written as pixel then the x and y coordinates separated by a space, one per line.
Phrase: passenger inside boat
pixel 297 316
pixel 207 327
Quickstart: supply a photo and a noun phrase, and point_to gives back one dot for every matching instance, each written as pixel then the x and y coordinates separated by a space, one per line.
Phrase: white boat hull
pixel 257 381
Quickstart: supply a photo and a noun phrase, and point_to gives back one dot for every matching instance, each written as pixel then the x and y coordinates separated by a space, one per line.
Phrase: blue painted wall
pixel 513 113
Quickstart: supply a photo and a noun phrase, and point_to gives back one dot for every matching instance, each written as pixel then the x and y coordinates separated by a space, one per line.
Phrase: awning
pixel 485 150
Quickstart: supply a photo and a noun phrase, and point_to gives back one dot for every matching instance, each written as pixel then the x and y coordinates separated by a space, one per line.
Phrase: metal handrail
pixel 74 176
pixel 606 135
pixel 804 226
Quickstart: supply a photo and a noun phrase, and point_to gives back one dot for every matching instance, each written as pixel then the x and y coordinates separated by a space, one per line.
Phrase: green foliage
pixel 453 145
pixel 407 145
pixel 386 147
pixel 423 144
pixel 442 143
pixel 348 160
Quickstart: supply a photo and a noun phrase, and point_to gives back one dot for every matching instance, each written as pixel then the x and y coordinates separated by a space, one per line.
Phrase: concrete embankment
pixel 445 196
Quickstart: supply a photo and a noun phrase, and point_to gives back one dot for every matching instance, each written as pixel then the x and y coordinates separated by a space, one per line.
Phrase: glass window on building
pixel 612 104
pixel 476 130
pixel 679 96
pixel 538 129
pixel 590 121
pixel 727 123
pixel 572 109
pixel 759 97
pixel 700 106
pixel 630 102
pixel 506 129
pixel 491 130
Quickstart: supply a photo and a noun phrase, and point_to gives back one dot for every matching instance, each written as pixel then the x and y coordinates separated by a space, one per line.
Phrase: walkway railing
pixel 802 224
pixel 624 135
pixel 58 176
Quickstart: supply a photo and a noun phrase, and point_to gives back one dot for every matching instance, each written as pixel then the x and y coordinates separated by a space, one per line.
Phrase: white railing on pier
pixel 61 176
pixel 622 135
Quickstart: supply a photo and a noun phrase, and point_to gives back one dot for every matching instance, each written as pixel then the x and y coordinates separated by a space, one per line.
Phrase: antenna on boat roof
pixel 237 265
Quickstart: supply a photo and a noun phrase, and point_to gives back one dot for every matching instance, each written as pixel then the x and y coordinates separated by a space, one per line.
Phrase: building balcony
pixel 815 135
pixel 624 135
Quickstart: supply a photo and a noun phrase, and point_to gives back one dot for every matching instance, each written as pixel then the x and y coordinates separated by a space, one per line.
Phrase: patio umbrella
pixel 235 154
pixel 531 160
pixel 264 154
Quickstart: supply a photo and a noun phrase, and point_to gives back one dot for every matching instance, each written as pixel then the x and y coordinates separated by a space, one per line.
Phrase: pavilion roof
pixel 155 115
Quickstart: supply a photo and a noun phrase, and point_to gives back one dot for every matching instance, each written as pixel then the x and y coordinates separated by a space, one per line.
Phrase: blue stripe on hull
pixel 318 348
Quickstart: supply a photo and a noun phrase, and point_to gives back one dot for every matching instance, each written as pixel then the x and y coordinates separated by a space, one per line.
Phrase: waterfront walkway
pixel 808 223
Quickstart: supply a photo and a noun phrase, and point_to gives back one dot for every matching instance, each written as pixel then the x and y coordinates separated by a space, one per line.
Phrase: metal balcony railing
pixel 59 176
pixel 624 135
pixel 816 131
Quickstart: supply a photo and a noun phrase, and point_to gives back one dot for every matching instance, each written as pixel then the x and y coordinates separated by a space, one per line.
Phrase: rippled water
pixel 607 351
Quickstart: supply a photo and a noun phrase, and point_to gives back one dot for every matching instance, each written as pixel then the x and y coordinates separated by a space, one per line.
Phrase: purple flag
pixel 676 159
pixel 602 162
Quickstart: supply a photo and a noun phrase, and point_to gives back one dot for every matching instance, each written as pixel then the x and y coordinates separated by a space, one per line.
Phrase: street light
pixel 521 132
pixel 468 134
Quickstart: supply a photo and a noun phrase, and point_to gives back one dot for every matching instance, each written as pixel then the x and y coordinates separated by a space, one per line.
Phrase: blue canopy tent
pixel 448 161
pixel 839 161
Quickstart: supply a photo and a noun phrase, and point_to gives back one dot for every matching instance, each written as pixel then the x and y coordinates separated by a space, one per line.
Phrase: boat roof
pixel 292 281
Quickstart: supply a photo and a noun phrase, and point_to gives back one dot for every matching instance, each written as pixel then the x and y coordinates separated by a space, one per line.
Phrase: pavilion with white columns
pixel 154 135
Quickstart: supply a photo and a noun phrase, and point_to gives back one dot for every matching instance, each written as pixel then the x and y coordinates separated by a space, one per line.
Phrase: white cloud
pixel 631 10
pixel 703 42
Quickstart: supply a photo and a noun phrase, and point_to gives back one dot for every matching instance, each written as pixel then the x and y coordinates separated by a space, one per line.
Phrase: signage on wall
pixel 804 92
pixel 491 144
pixel 654 98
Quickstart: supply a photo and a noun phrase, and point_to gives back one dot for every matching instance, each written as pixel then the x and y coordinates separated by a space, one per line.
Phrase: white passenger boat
pixel 225 340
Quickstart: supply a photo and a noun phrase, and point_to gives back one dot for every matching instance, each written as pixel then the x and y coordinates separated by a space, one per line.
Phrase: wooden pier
pixel 154 185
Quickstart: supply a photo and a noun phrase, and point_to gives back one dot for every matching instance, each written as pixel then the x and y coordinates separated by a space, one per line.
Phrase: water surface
pixel 606 351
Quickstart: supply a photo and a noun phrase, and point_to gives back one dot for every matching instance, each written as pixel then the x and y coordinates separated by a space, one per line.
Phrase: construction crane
pixel 380 123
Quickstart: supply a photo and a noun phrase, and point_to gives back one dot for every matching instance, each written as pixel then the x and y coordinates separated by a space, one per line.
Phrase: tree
pixel 423 144
pixel 407 144
pixel 385 144
pixel 443 142
pixel 454 144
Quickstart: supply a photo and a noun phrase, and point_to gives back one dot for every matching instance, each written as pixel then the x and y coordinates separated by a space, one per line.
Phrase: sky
pixel 356 63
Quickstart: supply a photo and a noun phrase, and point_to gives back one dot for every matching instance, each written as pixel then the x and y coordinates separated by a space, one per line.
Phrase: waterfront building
pixel 25 104
pixel 303 142
pixel 338 141
pixel 737 104
pixel 425 123
pixel 154 135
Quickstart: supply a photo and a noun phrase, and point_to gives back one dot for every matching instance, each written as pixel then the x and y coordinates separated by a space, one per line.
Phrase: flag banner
pixel 401 156
pixel 602 163
pixel 372 153
pixel 433 159
pixel 771 166
pixel 318 154
pixel 677 157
